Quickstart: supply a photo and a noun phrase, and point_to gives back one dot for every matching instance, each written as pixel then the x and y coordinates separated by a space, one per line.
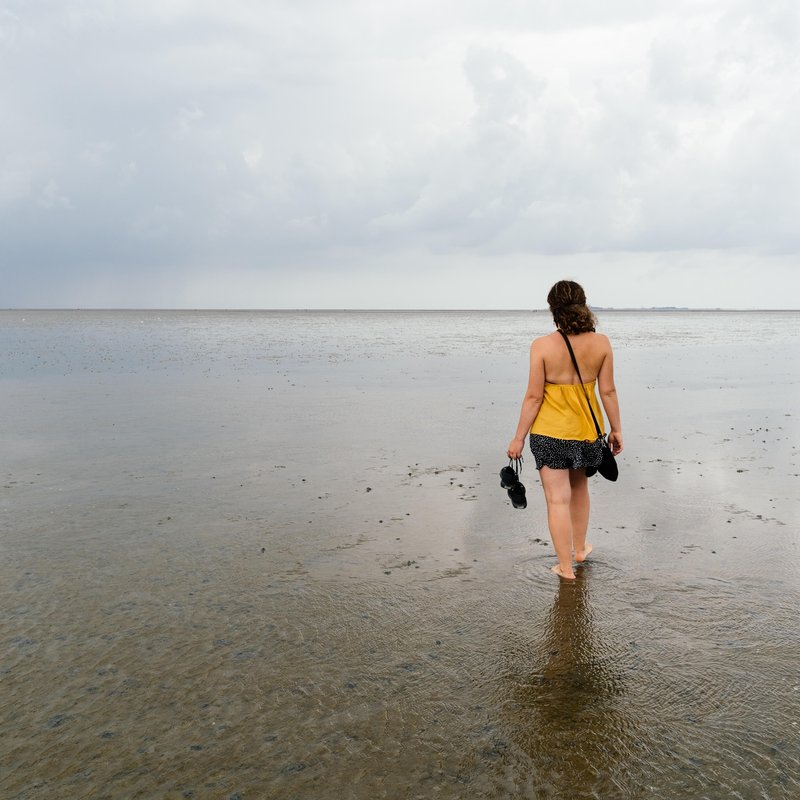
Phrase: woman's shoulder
pixel 598 343
pixel 543 342
pixel 556 338
pixel 551 344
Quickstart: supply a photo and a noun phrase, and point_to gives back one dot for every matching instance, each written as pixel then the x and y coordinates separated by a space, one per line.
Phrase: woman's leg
pixel 557 493
pixel 579 512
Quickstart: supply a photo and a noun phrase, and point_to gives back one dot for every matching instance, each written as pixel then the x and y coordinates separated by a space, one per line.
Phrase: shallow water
pixel 267 555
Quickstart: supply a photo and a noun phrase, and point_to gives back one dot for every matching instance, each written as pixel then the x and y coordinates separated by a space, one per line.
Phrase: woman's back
pixel 590 350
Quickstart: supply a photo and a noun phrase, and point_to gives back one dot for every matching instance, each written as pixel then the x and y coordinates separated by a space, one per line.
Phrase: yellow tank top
pixel 564 413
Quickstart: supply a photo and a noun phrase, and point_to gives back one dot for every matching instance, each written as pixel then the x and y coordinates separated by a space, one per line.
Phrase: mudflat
pixel 267 555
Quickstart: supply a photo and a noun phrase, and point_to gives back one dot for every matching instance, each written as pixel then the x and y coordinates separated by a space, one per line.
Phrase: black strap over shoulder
pixel 575 363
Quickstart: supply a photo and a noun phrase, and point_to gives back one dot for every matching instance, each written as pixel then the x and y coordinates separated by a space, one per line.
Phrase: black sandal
pixel 508 476
pixel 509 479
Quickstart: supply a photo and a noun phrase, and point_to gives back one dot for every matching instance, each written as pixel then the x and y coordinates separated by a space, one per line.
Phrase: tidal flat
pixel 266 555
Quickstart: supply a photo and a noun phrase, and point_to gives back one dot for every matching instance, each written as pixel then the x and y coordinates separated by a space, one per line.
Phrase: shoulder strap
pixel 575 364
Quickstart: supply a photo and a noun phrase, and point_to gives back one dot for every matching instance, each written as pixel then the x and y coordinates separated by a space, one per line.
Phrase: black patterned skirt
pixel 565 453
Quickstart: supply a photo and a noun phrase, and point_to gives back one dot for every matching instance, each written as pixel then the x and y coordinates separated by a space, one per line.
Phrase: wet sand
pixel 289 571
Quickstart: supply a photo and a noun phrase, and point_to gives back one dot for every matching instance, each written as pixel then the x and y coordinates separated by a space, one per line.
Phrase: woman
pixel 555 412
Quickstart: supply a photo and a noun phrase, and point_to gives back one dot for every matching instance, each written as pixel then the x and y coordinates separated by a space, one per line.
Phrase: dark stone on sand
pixel 244 655
pixel 387 572
pixel 298 766
pixel 350 685
pixel 107 735
pixel 496 751
pixel 55 721
pixel 196 747
pixel 369 488
pixel 263 549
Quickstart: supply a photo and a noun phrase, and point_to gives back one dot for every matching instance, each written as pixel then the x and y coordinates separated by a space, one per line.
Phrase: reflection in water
pixel 565 701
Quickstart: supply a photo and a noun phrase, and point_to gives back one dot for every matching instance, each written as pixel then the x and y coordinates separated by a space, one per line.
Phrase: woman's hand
pixel 615 442
pixel 515 448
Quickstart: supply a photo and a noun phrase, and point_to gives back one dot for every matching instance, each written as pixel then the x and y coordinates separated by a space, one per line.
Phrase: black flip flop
pixel 517 496
pixel 509 479
pixel 508 476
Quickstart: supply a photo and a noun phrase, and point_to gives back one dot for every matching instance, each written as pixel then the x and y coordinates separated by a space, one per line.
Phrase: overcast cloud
pixel 423 154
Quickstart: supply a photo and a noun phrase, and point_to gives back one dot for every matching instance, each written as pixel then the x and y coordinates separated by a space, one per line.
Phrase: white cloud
pixel 281 138
pixel 52 197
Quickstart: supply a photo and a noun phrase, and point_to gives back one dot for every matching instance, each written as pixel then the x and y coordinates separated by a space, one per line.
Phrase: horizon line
pixel 656 309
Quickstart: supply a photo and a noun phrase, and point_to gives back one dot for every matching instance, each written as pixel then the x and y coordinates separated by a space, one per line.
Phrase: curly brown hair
pixel 567 302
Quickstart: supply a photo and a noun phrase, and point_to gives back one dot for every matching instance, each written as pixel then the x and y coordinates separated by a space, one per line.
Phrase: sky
pixel 437 154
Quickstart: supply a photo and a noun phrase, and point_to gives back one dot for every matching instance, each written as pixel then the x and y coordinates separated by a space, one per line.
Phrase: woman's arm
pixel 531 403
pixel 608 395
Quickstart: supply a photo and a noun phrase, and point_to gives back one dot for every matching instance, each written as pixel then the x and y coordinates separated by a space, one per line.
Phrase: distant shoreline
pixel 655 309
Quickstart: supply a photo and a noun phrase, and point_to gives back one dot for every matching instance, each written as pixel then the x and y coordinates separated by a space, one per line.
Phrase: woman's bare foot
pixel 557 569
pixel 582 555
